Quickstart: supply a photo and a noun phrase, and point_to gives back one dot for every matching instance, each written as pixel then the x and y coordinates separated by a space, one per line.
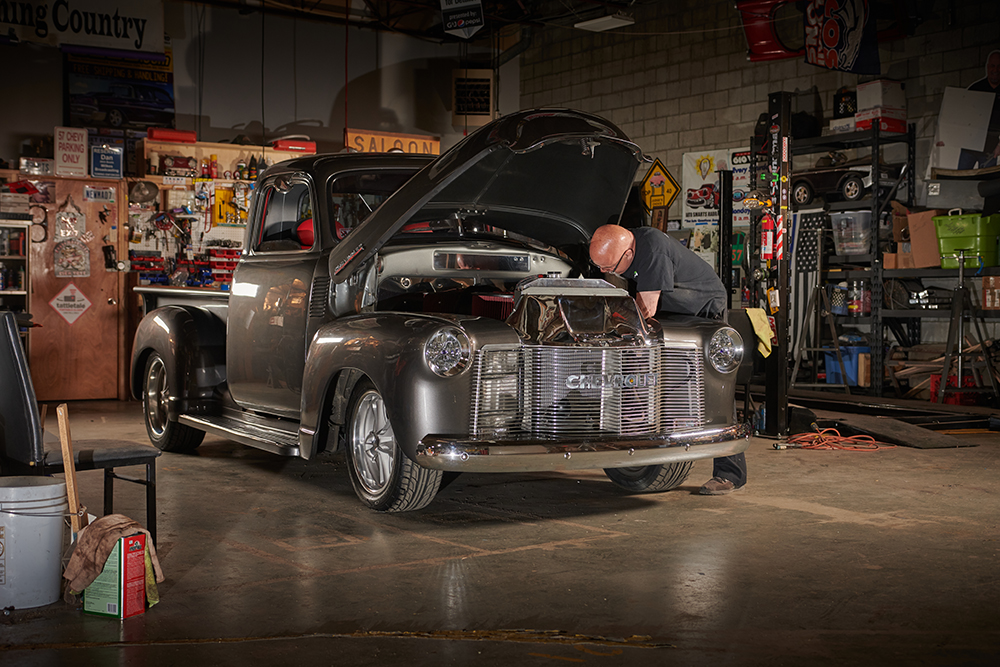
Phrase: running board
pixel 275 436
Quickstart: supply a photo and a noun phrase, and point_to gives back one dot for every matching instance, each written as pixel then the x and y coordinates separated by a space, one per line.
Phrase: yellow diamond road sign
pixel 658 187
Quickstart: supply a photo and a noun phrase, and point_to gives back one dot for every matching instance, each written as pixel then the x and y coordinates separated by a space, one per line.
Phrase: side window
pixel 286 218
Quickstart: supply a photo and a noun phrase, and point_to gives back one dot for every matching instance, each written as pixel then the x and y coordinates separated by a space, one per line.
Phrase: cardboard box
pixel 864 120
pixel 923 239
pixel 120 589
pixel 881 93
pixel 991 293
pixel 841 125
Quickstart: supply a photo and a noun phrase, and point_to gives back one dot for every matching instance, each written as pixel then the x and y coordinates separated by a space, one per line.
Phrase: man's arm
pixel 647 302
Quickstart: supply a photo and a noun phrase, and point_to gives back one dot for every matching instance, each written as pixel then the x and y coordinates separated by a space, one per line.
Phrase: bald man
pixel 669 278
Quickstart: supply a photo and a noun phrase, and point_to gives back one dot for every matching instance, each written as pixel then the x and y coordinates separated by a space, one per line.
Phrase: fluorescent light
pixel 609 22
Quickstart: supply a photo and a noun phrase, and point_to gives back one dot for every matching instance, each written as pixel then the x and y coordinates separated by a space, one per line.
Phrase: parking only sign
pixel 659 189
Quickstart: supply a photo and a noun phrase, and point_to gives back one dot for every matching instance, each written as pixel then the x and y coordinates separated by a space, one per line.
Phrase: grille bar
pixel 567 392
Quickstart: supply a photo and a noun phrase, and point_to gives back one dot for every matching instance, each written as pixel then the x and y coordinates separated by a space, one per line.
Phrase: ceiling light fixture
pixel 609 22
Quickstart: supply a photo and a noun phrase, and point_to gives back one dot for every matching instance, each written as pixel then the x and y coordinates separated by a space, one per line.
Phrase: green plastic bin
pixel 974 233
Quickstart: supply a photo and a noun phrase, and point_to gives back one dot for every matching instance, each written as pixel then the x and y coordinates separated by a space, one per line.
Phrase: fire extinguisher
pixel 767 237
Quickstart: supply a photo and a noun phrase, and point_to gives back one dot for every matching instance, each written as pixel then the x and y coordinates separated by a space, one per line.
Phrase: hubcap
pixel 372 443
pixel 156 397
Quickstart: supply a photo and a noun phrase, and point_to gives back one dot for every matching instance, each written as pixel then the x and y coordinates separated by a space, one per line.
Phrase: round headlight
pixel 725 350
pixel 447 352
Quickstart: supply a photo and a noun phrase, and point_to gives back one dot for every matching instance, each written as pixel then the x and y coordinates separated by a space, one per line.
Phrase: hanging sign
pixel 841 35
pixel 71 151
pixel 659 189
pixel 71 259
pixel 106 162
pixel 70 303
pixel 462 18
pixel 368 141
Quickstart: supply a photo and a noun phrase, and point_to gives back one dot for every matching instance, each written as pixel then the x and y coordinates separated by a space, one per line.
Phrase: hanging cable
pixel 347 26
pixel 263 125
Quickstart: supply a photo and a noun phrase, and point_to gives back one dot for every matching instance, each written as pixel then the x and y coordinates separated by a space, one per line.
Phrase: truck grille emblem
pixel 617 380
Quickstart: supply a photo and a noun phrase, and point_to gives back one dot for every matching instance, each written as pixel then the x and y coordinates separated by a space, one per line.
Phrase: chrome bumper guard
pixel 462 455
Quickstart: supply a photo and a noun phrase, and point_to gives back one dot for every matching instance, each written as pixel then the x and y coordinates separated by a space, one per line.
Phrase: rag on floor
pixel 95 543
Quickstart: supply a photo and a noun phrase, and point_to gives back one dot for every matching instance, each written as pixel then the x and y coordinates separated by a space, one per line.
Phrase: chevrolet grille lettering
pixel 616 380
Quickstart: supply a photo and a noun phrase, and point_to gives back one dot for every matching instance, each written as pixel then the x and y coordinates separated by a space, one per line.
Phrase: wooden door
pixel 75 353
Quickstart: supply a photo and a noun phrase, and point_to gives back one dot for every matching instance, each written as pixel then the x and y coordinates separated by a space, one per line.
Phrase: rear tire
pixel 650 479
pixel 166 435
pixel 384 478
pixel 852 189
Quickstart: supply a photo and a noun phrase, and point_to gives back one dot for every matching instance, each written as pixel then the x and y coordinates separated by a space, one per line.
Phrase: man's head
pixel 612 249
pixel 993 69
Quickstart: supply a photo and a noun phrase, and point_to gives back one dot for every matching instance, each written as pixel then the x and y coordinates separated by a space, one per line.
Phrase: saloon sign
pixel 368 141
pixel 125 25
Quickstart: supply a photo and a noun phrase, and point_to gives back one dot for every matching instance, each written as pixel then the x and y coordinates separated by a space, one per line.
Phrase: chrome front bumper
pixel 460 455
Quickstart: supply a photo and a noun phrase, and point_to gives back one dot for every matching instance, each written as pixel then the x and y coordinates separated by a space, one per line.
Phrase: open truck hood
pixel 554 175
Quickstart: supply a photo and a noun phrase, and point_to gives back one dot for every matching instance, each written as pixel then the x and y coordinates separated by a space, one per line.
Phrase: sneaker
pixel 718 487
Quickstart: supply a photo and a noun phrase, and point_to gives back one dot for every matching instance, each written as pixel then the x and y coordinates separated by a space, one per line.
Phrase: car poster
pixel 700 196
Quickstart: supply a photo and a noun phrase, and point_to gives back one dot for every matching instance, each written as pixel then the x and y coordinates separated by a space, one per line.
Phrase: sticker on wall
pixel 71 259
pixel 70 303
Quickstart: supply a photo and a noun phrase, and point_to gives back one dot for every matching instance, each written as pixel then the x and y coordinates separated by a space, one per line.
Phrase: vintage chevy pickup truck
pixel 430 317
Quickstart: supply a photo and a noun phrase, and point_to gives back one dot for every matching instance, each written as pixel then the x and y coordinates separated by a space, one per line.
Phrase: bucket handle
pixel 81 512
pixel 955 211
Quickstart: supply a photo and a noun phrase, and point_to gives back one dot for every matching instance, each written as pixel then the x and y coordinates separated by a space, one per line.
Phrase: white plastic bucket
pixel 32 510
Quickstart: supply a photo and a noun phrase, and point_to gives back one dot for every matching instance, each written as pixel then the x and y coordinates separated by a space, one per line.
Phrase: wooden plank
pixel 78 519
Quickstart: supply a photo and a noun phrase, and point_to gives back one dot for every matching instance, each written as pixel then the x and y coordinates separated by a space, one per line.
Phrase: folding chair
pixel 23 450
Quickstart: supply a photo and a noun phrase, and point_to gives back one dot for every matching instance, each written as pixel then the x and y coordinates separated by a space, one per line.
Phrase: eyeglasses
pixel 614 269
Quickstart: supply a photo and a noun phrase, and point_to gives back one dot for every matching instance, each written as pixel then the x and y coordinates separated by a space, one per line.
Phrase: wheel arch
pixel 192 343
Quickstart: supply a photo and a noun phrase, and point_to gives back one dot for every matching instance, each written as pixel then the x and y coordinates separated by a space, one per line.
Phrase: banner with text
pixel 125 25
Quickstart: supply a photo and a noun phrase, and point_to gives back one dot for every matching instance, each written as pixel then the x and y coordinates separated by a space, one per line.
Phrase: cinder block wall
pixel 675 86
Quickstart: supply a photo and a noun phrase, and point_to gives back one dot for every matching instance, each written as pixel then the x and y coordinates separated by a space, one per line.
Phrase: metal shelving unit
pixel 869 266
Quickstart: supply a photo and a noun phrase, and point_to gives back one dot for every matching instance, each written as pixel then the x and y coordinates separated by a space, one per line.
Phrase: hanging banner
pixel 462 18
pixel 123 25
pixel 842 35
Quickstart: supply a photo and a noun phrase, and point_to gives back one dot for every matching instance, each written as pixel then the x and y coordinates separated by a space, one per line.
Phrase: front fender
pixel 192 343
pixel 388 348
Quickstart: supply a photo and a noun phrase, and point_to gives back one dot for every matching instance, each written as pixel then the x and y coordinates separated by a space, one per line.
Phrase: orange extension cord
pixel 830 438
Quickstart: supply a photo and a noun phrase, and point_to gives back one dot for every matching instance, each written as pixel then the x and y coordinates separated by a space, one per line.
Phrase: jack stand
pixel 962 307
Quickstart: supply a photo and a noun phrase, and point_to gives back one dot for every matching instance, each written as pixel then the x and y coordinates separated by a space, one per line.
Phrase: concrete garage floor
pixel 826 558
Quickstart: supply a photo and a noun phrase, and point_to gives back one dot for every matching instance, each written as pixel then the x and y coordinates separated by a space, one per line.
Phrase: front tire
pixel 650 479
pixel 384 478
pixel 802 194
pixel 166 435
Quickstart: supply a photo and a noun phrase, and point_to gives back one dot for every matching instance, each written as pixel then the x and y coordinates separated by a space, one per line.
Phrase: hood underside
pixel 552 175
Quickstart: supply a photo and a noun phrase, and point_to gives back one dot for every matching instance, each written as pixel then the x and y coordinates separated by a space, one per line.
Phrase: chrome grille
pixel 573 392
